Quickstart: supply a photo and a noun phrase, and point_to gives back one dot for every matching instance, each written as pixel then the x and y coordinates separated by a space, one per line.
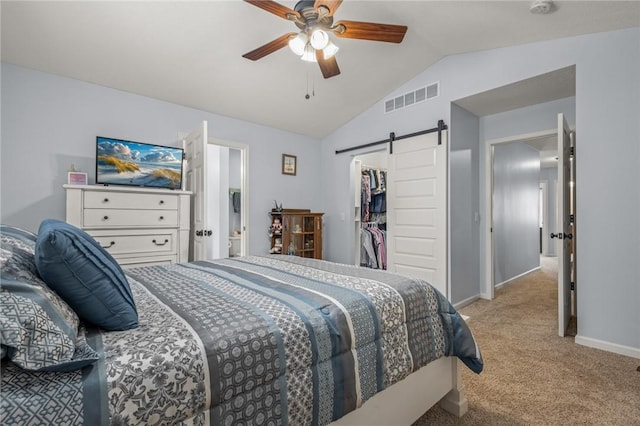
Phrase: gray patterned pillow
pixel 39 331
pixel 17 262
pixel 33 340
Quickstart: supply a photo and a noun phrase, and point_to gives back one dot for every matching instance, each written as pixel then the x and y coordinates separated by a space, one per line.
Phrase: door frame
pixel 488 292
pixel 244 187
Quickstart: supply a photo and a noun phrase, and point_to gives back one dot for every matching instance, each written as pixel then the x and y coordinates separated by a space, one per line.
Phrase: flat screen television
pixel 120 162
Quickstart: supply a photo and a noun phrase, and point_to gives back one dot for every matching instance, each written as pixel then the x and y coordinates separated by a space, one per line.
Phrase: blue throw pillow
pixel 73 264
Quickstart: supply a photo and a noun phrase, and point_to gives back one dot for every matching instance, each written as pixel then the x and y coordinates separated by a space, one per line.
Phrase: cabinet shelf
pixel 298 231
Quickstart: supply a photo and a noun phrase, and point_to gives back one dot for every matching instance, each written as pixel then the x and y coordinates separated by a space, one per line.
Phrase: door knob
pixel 569 236
pixel 199 233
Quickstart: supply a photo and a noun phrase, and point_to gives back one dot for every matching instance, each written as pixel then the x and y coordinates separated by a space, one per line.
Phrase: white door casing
pixel 195 147
pixel 564 232
pixel 417 209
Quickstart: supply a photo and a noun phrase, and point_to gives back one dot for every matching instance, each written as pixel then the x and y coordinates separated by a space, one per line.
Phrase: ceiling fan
pixel 315 21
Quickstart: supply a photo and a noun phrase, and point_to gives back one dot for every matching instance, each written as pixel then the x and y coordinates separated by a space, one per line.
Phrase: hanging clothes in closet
pixel 373 195
pixel 373 251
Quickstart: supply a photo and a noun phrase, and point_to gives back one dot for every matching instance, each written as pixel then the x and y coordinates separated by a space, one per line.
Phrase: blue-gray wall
pixel 463 204
pixel 516 232
pixel 50 122
pixel 606 116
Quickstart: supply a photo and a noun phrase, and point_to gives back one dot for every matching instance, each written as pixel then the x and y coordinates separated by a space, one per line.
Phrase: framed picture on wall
pixel 289 166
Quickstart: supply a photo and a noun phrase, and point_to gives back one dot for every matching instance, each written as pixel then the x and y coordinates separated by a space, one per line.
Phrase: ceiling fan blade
pixel 275 8
pixel 331 5
pixel 329 67
pixel 370 31
pixel 268 48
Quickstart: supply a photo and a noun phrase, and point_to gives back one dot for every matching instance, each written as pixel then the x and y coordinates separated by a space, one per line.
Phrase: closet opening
pixel 370 209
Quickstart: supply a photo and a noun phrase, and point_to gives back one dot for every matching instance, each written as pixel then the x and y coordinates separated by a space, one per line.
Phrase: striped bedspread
pixel 255 340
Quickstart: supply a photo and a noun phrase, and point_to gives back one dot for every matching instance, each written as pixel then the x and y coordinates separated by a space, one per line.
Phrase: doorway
pixel 369 203
pixel 225 200
pixel 416 206
pixel 217 175
pixel 565 217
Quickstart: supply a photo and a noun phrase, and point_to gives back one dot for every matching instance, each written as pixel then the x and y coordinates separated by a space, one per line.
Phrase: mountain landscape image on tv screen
pixel 120 162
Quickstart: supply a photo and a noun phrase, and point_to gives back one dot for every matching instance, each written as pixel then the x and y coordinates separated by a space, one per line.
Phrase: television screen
pixel 120 162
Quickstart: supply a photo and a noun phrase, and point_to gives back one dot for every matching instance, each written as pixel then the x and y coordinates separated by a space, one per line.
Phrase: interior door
pixel 195 146
pixel 564 235
pixel 417 209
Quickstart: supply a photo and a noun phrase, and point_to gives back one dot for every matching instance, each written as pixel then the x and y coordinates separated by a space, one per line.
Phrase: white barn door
pixel 417 209
pixel 195 148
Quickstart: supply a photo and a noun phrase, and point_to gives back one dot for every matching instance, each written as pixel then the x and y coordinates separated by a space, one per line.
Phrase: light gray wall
pixel 550 174
pixel 463 204
pixel 50 122
pixel 516 232
pixel 606 115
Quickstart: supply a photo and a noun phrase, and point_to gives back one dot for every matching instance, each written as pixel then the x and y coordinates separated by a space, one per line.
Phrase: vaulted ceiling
pixel 190 53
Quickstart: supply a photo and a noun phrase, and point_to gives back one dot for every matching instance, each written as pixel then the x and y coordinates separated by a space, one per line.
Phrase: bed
pixel 262 340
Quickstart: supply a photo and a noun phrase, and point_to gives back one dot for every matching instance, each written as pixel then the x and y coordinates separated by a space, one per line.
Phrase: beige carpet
pixel 534 377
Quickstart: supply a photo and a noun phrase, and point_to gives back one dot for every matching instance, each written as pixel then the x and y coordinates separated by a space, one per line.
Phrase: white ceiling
pixel 190 53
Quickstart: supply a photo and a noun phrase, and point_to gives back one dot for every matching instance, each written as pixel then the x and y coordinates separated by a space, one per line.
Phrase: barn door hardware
pixel 392 138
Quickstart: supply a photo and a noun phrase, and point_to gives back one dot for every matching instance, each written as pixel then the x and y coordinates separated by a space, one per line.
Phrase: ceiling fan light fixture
pixel 297 44
pixel 309 54
pixel 319 39
pixel 330 50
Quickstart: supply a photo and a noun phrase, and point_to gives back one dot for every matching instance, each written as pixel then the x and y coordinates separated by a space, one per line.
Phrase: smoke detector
pixel 542 7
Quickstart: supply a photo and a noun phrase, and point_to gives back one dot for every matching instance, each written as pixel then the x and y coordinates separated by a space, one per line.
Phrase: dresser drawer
pixel 106 218
pixel 113 200
pixel 136 262
pixel 153 242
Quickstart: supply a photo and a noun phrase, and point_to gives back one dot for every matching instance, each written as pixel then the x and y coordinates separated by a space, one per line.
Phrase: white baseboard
pixel 503 283
pixel 608 346
pixel 465 302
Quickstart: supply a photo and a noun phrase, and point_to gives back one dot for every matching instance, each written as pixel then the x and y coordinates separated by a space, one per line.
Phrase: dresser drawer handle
pixel 106 200
pixel 105 218
pixel 161 217
pixel 111 244
pixel 161 201
pixel 160 244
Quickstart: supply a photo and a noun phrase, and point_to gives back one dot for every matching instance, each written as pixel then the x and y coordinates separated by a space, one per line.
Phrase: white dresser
pixel 137 226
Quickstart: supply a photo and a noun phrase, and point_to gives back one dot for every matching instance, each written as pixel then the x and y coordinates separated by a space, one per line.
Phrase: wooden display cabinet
pixel 299 233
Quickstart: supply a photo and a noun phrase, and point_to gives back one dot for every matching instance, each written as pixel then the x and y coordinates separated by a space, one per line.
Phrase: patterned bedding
pixel 256 340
